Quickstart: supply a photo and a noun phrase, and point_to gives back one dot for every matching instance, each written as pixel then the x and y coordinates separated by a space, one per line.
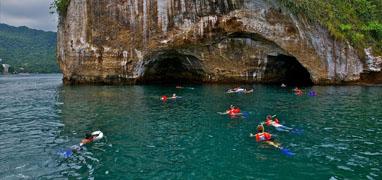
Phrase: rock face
pixel 129 41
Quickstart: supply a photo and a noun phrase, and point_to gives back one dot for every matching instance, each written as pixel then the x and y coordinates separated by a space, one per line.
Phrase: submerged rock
pixel 129 41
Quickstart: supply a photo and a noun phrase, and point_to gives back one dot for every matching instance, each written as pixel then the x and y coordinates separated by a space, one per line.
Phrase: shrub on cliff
pixel 60 6
pixel 358 21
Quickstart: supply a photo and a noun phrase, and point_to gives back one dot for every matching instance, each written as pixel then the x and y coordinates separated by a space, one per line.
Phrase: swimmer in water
pixel 275 123
pixel 239 90
pixel 297 91
pixel 262 136
pixel 88 138
pixel 233 111
pixel 174 96
pixel 163 98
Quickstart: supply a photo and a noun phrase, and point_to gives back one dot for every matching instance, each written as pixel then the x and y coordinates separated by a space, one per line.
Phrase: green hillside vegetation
pixel 358 21
pixel 28 50
pixel 60 6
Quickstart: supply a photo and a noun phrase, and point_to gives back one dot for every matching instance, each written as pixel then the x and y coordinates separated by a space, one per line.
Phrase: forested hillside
pixel 28 50
pixel 358 21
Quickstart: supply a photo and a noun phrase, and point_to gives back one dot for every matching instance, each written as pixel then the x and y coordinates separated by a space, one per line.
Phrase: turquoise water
pixel 186 138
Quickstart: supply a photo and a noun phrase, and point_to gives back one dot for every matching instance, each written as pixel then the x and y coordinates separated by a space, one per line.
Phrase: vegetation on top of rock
pixel 60 6
pixel 28 50
pixel 358 21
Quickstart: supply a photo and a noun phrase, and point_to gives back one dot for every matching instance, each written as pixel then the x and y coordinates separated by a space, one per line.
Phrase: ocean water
pixel 341 132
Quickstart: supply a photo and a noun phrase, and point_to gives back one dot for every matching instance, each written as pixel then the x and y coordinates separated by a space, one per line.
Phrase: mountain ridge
pixel 28 50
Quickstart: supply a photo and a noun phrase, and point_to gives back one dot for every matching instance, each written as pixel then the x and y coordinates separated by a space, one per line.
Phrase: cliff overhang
pixel 178 41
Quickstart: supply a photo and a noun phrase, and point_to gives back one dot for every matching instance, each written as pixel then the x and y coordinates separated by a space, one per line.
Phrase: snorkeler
pixel 297 91
pixel 262 136
pixel 233 111
pixel 275 123
pixel 88 138
pixel 163 98
pixel 239 90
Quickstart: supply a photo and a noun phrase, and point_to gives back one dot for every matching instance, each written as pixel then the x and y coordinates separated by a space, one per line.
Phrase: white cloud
pixel 31 13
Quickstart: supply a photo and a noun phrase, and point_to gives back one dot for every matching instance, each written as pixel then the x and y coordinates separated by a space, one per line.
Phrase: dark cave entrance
pixel 286 69
pixel 172 67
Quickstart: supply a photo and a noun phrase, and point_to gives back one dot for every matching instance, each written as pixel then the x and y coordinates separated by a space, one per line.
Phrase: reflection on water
pixel 186 138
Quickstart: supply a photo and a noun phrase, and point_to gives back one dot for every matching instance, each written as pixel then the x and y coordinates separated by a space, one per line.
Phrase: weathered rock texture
pixel 127 41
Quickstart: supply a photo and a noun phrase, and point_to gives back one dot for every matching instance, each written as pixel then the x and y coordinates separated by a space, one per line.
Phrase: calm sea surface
pixel 185 139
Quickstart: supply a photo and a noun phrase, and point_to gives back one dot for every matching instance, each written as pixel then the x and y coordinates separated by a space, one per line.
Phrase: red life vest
pixel 263 136
pixel 237 110
pixel 231 112
pixel 268 122
pixel 163 98
pixel 276 121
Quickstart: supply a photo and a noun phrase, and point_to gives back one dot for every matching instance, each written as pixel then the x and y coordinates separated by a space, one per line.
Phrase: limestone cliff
pixel 128 41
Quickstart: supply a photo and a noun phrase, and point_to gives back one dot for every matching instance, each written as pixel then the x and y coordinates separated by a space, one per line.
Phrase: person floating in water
pixel 297 91
pixel 163 98
pixel 182 87
pixel 275 123
pixel 89 138
pixel 233 111
pixel 262 136
pixel 174 96
pixel 239 90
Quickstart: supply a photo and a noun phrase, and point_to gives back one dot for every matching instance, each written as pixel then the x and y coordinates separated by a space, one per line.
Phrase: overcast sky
pixel 31 13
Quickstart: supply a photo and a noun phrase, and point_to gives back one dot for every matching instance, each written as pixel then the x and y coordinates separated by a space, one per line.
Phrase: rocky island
pixel 151 41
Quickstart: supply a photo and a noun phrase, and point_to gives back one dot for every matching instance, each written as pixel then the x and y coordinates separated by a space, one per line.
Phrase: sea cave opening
pixel 286 69
pixel 172 67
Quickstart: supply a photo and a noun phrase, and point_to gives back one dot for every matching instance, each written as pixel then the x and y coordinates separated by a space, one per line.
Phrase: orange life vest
pixel 263 136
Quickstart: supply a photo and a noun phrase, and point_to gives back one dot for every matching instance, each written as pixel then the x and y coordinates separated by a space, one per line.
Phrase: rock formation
pixel 129 41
